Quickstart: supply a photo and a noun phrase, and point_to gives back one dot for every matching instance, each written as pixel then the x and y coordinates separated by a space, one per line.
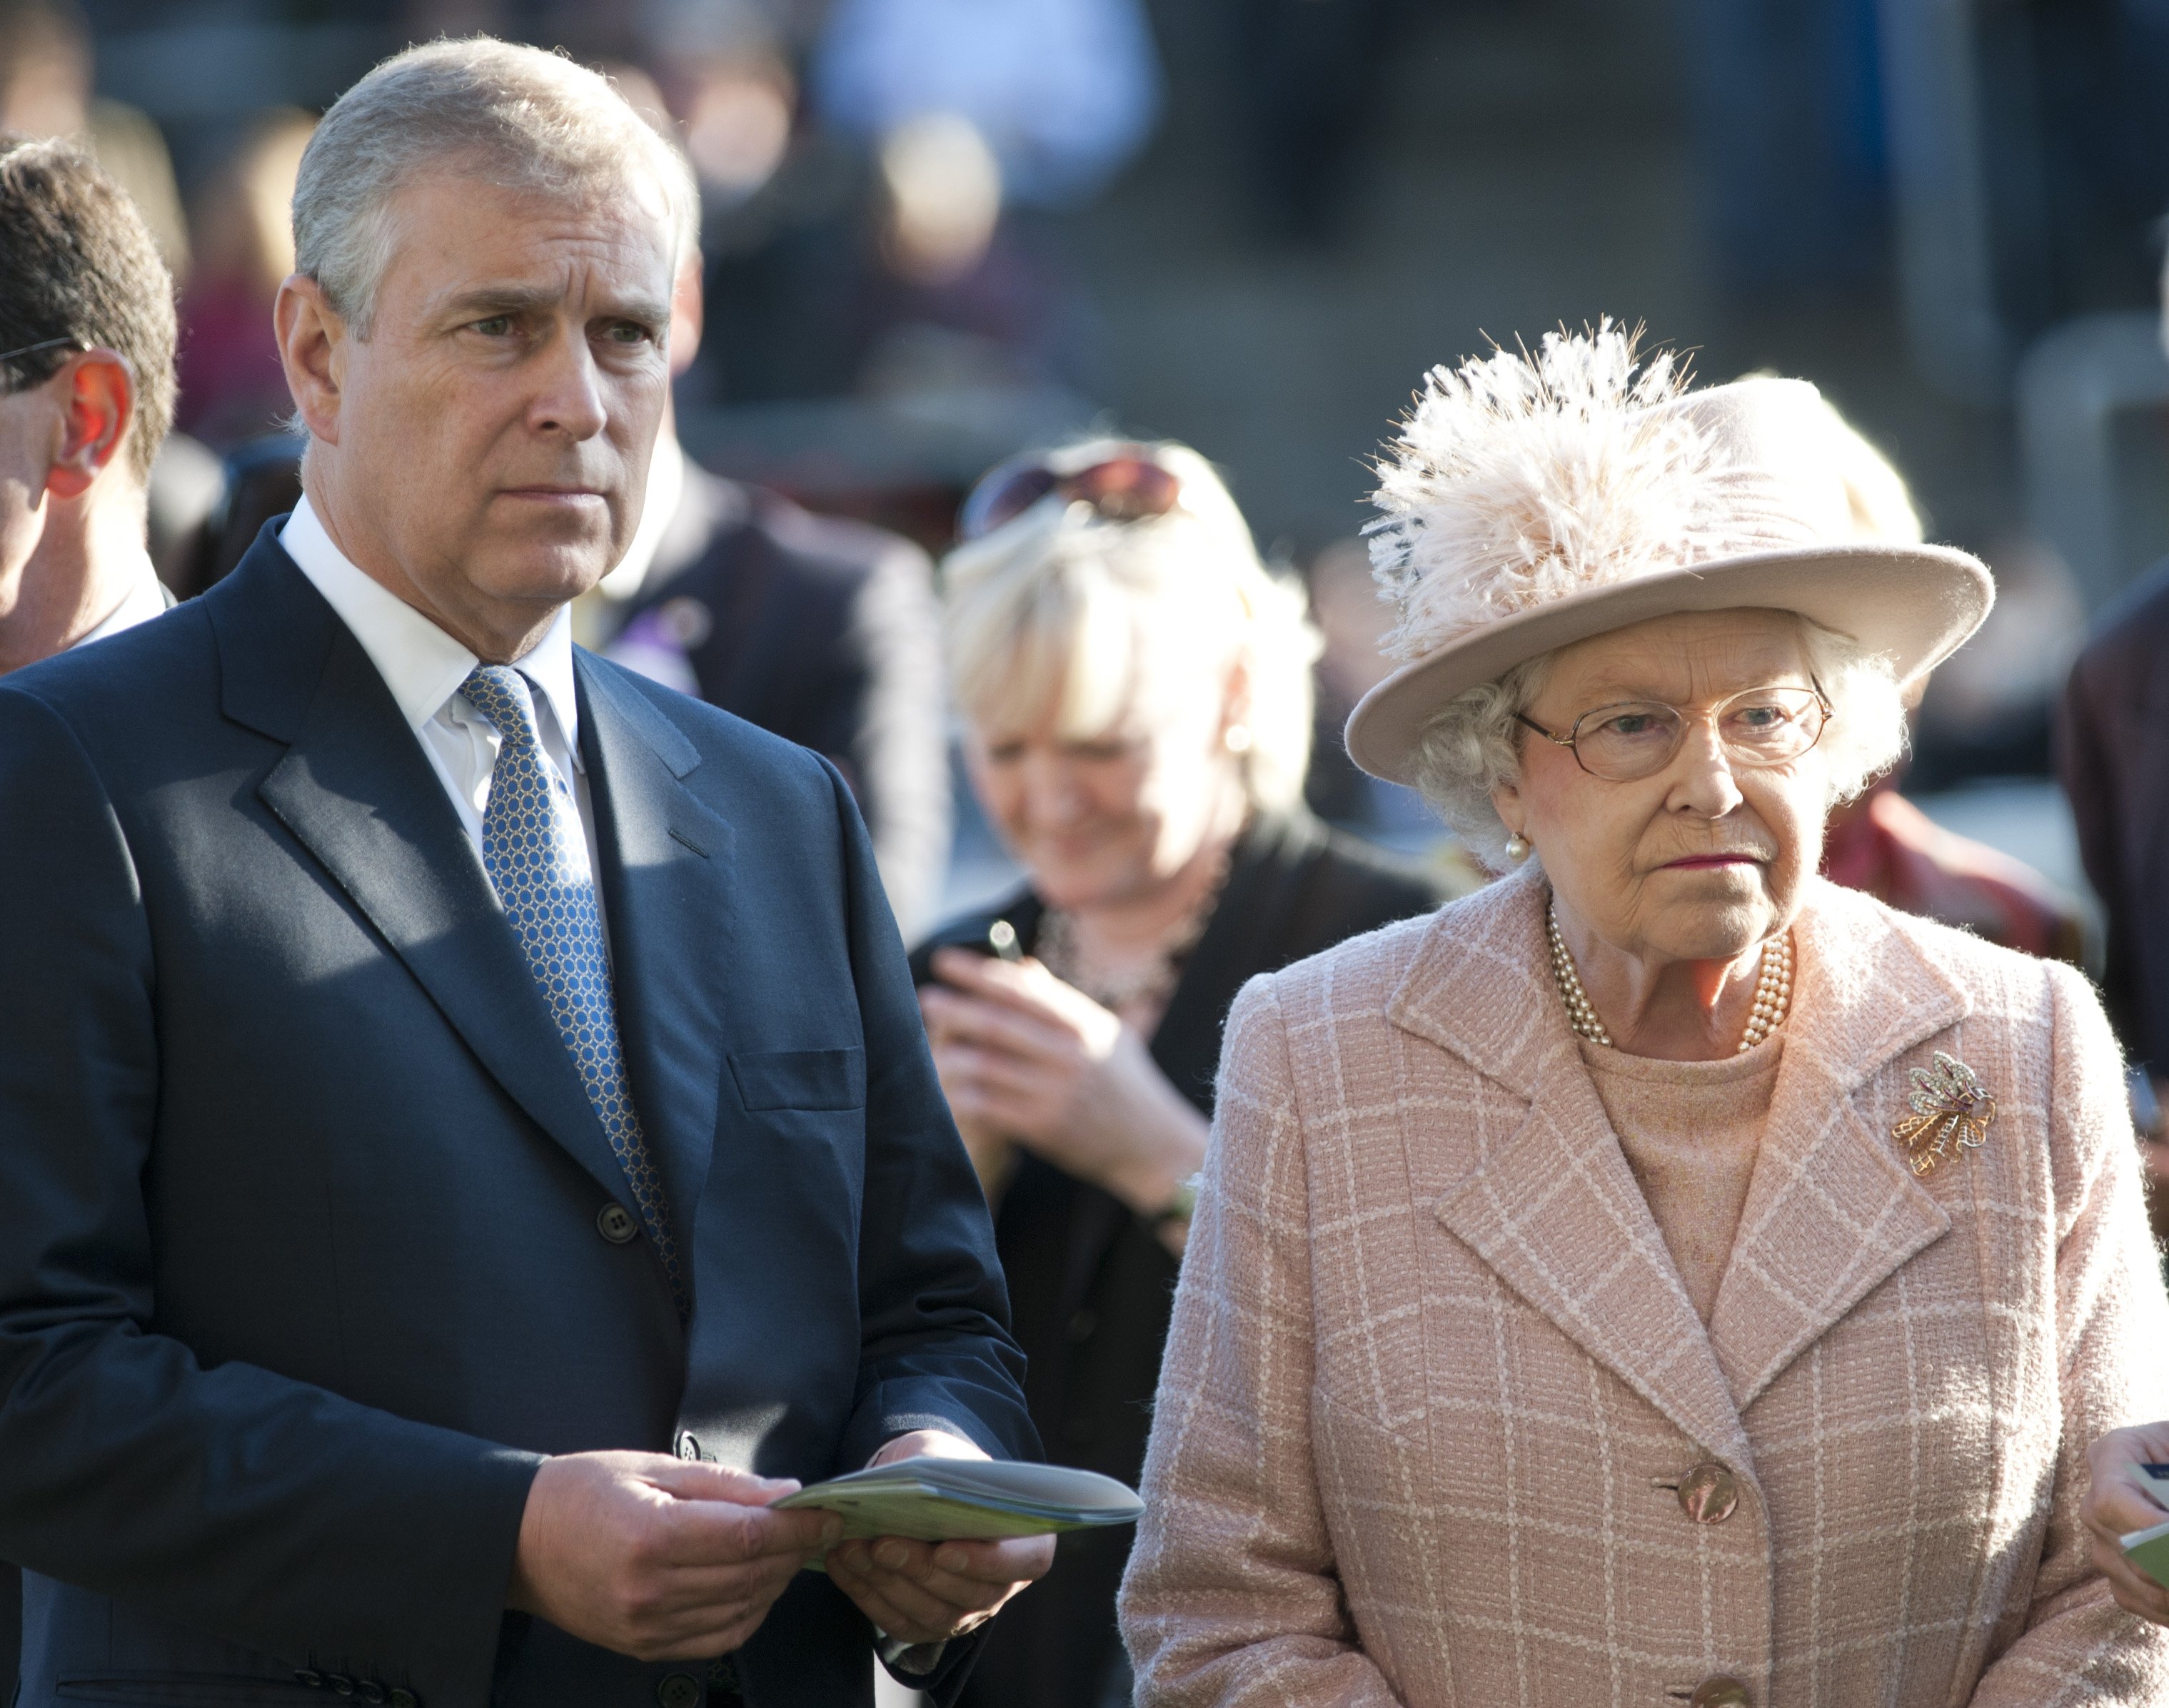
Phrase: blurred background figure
pixel 820 629
pixel 233 388
pixel 1881 842
pixel 1136 703
pixel 2113 754
pixel 1063 91
pixel 1353 622
pixel 46 78
pixel 86 395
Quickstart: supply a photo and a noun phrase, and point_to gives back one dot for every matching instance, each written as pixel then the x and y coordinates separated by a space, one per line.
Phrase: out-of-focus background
pixel 938 230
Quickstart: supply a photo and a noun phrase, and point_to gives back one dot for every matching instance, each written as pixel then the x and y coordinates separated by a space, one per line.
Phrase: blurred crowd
pixel 882 184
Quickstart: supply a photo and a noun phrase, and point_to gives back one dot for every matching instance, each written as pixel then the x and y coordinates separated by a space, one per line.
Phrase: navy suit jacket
pixel 301 1264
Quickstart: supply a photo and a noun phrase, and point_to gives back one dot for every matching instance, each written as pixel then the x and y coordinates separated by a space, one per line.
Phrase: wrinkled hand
pixel 2118 1502
pixel 1022 1053
pixel 929 1592
pixel 656 1557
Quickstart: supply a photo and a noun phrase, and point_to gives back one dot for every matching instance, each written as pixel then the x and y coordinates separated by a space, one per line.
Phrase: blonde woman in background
pixel 1135 695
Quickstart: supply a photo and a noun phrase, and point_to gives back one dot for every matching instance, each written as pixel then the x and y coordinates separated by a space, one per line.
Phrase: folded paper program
pixel 939 1500
pixel 2148 1549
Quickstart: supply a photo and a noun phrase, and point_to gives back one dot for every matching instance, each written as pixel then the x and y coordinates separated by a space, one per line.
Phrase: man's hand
pixel 929 1592
pixel 656 1557
pixel 2121 1500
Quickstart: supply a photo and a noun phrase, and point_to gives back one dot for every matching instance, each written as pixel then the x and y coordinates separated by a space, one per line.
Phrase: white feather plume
pixel 1517 479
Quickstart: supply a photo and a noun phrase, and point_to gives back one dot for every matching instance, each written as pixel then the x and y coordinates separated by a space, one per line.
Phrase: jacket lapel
pixel 666 891
pixel 357 792
pixel 1832 1210
pixel 1554 1210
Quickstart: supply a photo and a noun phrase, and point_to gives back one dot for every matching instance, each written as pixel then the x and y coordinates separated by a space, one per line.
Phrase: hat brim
pixel 1916 604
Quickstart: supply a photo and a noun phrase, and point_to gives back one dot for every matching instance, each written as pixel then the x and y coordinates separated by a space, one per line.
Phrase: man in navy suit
pixel 466 1144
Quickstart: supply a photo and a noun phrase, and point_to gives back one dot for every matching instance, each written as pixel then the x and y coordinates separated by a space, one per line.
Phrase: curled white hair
pixel 1062 602
pixel 1473 745
pixel 514 116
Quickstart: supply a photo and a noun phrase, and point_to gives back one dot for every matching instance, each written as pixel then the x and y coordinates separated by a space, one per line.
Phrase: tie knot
pixel 498 694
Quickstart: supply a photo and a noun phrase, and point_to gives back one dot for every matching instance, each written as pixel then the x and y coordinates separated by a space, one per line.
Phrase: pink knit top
pixel 1691 1131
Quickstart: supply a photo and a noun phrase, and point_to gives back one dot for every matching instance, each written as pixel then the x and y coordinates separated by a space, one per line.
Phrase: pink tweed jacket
pixel 1433 1381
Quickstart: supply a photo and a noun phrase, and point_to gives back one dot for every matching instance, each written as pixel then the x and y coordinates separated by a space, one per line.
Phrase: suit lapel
pixel 1554 1210
pixel 667 892
pixel 356 790
pixel 1832 1210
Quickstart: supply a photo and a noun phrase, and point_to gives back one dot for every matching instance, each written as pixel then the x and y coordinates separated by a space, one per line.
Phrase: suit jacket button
pixel 340 1683
pixel 314 1680
pixel 369 1690
pixel 678 1690
pixel 1720 1692
pixel 615 1223
pixel 404 1698
pixel 1709 1494
pixel 688 1444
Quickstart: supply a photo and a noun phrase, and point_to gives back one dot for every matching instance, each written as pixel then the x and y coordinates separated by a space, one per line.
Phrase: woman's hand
pixel 1023 1054
pixel 2121 1500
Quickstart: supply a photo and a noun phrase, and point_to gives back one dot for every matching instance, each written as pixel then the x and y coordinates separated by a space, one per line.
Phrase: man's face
pixel 27 422
pixel 492 432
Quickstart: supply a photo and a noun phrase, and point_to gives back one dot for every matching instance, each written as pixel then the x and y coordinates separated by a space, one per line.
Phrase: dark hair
pixel 76 262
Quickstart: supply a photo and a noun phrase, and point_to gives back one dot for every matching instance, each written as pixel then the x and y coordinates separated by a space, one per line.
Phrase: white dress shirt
pixel 425 669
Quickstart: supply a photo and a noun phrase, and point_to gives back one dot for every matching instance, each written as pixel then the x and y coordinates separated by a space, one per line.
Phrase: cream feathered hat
pixel 1531 501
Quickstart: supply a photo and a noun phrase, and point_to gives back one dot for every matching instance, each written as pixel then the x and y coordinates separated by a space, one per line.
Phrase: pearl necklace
pixel 1773 991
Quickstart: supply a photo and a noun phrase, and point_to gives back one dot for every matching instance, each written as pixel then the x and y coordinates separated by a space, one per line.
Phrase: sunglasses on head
pixel 1126 485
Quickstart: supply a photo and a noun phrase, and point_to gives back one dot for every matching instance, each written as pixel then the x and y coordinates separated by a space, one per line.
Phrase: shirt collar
pixel 144 600
pixel 422 665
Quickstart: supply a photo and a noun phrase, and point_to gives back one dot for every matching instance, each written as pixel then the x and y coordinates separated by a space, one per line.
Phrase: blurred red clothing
pixel 233 387
pixel 1886 845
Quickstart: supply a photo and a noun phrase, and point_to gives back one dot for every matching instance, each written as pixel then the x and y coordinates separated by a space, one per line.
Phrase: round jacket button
pixel 688 1444
pixel 678 1690
pixel 615 1223
pixel 405 1699
pixel 1709 1494
pixel 369 1690
pixel 1720 1692
pixel 340 1683
pixel 305 1675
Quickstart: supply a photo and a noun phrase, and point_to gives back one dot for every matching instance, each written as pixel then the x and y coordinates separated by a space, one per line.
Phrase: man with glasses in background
pixel 87 336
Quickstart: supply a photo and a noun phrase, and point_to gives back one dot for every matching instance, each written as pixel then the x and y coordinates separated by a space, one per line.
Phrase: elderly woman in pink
pixel 1661 1278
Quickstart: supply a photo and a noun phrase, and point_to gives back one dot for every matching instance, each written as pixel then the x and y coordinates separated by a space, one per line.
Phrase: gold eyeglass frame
pixel 1712 716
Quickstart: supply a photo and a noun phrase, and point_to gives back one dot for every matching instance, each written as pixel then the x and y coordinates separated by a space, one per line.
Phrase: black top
pixel 2112 758
pixel 1091 1284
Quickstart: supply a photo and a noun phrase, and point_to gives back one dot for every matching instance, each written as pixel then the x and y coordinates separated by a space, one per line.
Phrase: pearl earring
pixel 1238 738
pixel 1517 848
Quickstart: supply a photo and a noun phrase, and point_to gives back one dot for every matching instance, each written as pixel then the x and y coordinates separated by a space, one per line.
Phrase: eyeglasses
pixel 1636 738
pixel 70 342
pixel 1126 485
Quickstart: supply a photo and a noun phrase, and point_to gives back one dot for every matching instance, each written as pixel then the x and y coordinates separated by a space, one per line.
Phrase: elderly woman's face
pixel 1103 819
pixel 1705 859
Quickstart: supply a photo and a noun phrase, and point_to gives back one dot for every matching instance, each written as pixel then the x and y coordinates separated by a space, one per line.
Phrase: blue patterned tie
pixel 526 849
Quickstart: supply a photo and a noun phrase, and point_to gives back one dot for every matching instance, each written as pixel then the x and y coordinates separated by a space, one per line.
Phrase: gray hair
pixel 1473 744
pixel 522 118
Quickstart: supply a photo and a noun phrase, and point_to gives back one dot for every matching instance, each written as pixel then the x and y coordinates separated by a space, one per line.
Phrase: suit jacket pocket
pixel 183 1690
pixel 772 1079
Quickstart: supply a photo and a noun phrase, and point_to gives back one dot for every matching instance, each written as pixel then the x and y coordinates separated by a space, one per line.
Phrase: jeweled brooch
pixel 1952 1111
